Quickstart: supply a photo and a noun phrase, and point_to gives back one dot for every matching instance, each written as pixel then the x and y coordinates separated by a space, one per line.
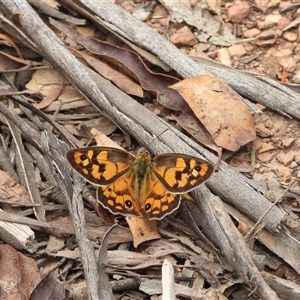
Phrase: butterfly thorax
pixel 142 172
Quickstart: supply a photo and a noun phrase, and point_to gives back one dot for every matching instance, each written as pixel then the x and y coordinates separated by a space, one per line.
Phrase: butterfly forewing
pixel 100 165
pixel 181 173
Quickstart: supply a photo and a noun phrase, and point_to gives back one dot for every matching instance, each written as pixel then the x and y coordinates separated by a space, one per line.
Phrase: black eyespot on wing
pixel 147 207
pixel 83 157
pixel 128 203
pixel 198 168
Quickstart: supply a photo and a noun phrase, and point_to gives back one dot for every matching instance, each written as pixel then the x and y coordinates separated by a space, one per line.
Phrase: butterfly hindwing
pixel 100 165
pixel 122 196
pixel 159 202
pixel 180 173
pixel 119 197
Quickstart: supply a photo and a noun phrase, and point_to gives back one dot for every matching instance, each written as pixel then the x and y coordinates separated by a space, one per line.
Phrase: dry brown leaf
pixel 5 39
pixel 51 97
pixel 103 140
pixel 70 254
pixel 48 289
pixel 19 274
pixel 225 116
pixel 266 147
pixel 10 189
pixel 64 222
pixel 194 127
pixel 47 80
pixel 101 123
pixel 142 229
pixel 124 82
pixel 120 235
pixel 132 65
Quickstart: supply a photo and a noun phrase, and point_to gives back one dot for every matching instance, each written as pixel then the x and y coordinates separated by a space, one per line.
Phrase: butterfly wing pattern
pixel 100 165
pixel 139 186
pixel 139 192
pixel 181 173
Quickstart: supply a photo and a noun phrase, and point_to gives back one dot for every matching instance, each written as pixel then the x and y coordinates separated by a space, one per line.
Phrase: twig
pixel 255 227
pixel 241 255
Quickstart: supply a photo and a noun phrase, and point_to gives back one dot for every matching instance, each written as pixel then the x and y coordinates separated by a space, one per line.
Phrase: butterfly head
pixel 143 153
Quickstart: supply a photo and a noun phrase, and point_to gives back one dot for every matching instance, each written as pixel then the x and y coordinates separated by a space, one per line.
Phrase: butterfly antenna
pixel 156 138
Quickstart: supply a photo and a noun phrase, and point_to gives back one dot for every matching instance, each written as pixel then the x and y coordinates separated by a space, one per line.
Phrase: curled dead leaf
pixel 225 116
pixel 195 128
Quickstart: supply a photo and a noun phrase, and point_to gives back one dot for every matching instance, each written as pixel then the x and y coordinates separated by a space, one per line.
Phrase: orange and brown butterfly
pixel 139 185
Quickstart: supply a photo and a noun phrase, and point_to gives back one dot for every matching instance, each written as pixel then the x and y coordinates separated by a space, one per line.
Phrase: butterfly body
pixel 141 172
pixel 139 185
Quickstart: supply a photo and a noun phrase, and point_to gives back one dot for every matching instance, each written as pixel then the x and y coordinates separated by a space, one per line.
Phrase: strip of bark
pixel 241 258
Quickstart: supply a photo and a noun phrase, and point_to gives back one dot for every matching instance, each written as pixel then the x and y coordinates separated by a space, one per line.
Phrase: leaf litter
pixel 180 246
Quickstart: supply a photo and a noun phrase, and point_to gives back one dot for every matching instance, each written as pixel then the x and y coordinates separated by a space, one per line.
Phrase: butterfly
pixel 139 185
